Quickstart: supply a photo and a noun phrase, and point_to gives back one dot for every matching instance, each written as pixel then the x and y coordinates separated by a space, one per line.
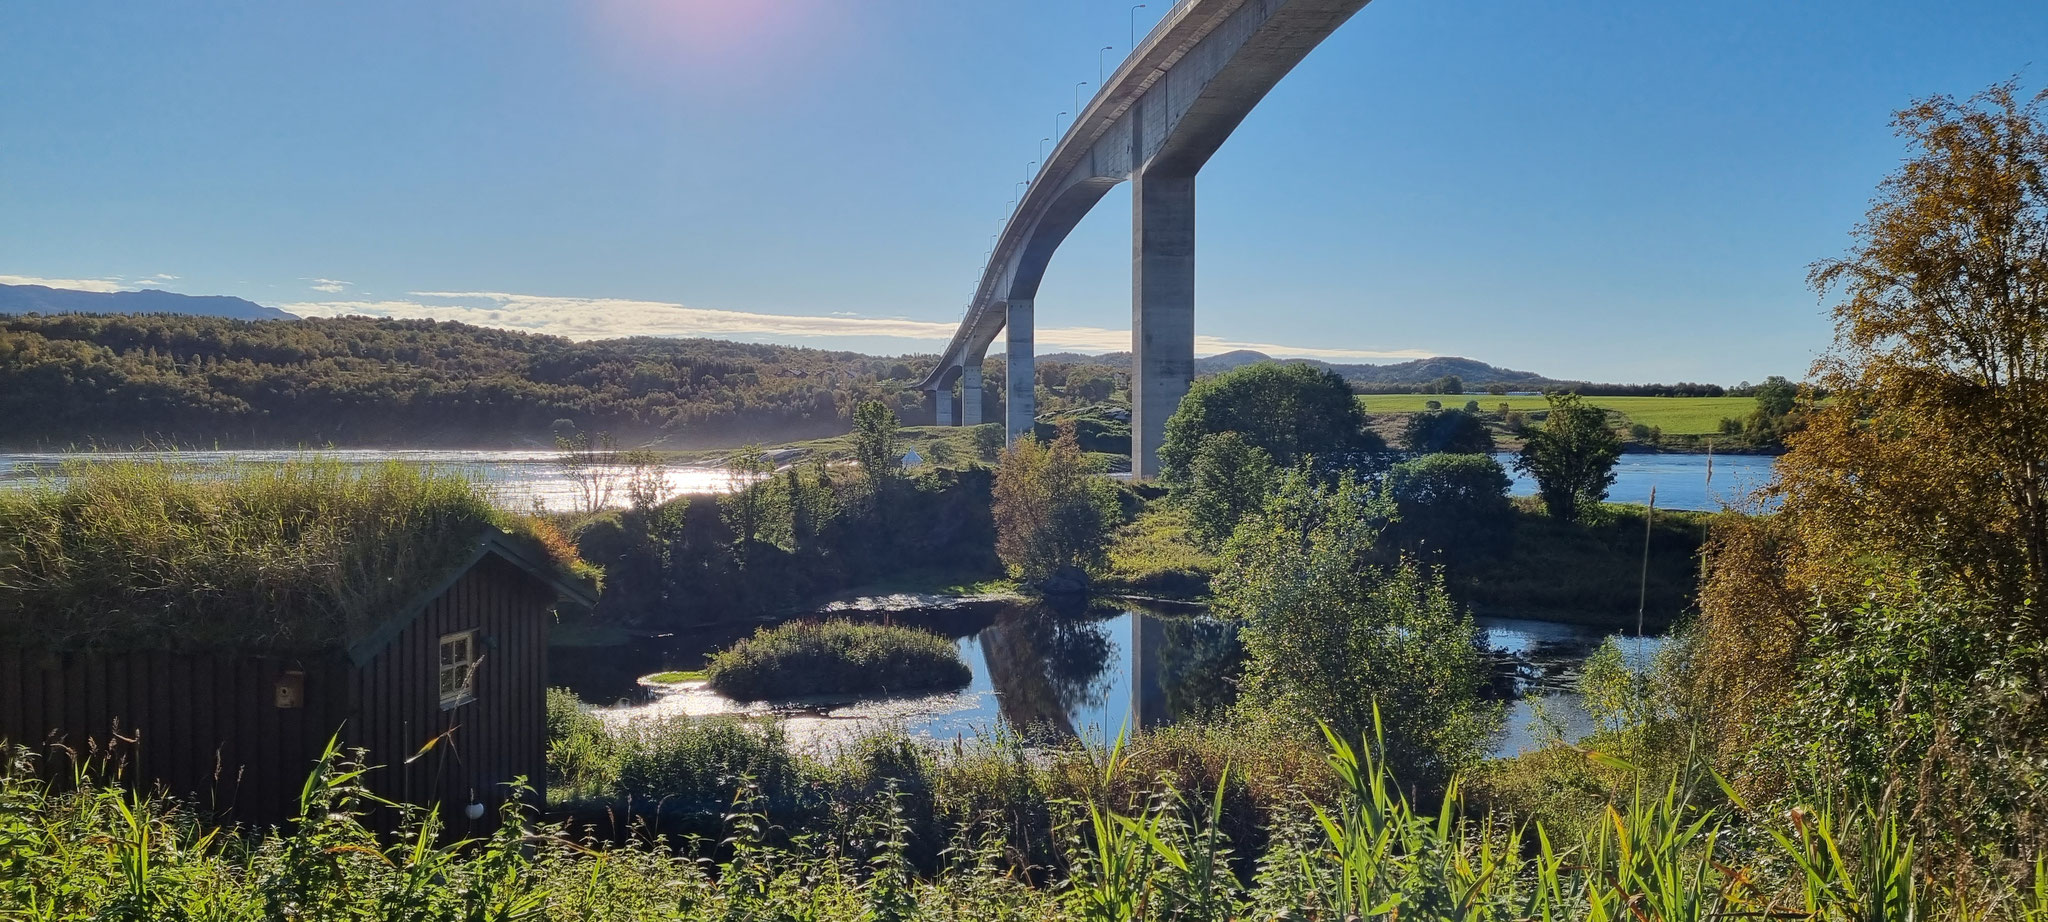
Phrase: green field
pixel 1675 415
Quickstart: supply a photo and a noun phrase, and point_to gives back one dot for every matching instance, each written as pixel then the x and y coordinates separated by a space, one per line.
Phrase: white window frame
pixel 456 677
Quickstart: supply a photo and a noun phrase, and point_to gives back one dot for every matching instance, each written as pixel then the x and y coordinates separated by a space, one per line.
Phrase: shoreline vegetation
pixel 144 381
pixel 835 657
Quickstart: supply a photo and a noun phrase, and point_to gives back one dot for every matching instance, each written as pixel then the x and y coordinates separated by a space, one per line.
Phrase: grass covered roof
pixel 286 556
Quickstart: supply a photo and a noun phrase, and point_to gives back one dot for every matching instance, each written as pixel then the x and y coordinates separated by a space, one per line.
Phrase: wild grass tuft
pixel 836 657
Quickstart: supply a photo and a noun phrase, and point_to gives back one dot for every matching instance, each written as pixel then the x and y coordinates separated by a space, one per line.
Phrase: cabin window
pixel 458 669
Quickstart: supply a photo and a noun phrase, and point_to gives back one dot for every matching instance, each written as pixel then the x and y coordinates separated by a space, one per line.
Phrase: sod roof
pixel 281 557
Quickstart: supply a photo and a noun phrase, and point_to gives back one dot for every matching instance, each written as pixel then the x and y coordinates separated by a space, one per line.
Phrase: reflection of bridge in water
pixel 1155 122
pixel 1056 675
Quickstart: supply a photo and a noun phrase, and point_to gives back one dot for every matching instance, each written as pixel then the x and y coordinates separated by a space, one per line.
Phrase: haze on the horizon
pixel 1600 191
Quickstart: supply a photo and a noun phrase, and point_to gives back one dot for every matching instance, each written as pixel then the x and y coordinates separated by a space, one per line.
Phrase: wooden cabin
pixel 447 694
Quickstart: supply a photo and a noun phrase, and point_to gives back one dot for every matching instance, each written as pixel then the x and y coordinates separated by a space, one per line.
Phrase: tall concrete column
pixel 1020 403
pixel 1162 309
pixel 942 403
pixel 970 394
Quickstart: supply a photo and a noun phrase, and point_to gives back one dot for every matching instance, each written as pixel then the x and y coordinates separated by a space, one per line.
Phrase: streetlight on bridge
pixel 1134 25
pixel 1098 61
pixel 1077 96
pixel 1056 124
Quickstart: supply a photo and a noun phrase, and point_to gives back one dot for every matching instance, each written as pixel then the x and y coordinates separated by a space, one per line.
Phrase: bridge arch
pixel 1167 109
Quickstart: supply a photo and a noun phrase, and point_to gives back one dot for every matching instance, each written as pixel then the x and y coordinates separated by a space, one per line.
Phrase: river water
pixel 518 479
pixel 1052 675
pixel 515 479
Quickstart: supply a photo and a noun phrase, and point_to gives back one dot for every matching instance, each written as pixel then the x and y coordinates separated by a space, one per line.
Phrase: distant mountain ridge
pixel 1411 372
pixel 42 299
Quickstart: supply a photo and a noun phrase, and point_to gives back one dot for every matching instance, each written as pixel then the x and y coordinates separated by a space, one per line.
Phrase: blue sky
pixel 1616 191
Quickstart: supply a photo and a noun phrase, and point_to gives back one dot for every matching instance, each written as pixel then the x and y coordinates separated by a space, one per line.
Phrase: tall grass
pixel 289 555
pixel 91 849
pixel 836 657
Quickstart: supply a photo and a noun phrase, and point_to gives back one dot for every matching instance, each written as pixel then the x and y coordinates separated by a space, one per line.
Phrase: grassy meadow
pixel 1675 415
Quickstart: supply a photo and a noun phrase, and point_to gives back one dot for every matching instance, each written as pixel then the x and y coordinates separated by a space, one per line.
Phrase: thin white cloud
pixel 103 285
pixel 610 318
pixel 329 286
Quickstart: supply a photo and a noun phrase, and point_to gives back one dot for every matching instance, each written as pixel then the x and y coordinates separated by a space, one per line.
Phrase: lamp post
pixel 1056 124
pixel 1134 25
pixel 1077 96
pixel 1041 147
pixel 1098 61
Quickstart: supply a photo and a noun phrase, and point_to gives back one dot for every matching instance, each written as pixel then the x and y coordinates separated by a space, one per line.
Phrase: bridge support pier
pixel 1162 309
pixel 1020 403
pixel 970 394
pixel 942 405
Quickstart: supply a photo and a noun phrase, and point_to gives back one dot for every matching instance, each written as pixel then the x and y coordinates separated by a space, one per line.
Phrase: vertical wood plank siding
pixel 206 725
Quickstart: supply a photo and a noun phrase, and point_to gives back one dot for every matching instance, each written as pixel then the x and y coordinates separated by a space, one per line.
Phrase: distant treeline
pixel 1454 385
pixel 118 380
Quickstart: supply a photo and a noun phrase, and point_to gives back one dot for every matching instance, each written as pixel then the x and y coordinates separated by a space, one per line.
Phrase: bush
pixel 1050 512
pixel 1457 432
pixel 835 657
pixel 1290 411
pixel 1572 457
pixel 1329 636
pixel 582 762
pixel 1230 479
pixel 685 765
pixel 1454 505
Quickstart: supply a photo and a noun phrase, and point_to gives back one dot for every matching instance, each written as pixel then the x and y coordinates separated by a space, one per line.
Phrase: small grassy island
pixel 837 657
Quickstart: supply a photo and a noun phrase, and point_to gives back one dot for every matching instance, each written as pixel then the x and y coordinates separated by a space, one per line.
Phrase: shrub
pixel 1449 504
pixel 837 657
pixel 582 761
pixel 1457 432
pixel 1290 411
pixel 1050 512
pixel 1230 478
pixel 685 765
pixel 1328 634
pixel 1572 457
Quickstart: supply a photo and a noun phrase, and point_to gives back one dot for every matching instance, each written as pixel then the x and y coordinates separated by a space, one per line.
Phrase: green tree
pixel 874 442
pixel 1051 513
pixel 1448 432
pixel 1776 396
pixel 1572 457
pixel 1230 479
pixel 745 507
pixel 1329 635
pixel 1290 411
pixel 1453 506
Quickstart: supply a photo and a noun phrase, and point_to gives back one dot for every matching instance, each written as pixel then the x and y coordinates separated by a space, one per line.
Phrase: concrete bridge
pixel 1168 107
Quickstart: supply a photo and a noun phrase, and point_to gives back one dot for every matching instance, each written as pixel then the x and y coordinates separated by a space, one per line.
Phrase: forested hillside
pixel 125 380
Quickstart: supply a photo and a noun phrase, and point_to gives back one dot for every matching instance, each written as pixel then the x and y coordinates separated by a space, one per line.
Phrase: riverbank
pixel 1588 573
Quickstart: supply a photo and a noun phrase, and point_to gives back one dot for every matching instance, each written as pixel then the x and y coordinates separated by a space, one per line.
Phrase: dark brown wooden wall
pixel 483 744
pixel 203 727
pixel 207 727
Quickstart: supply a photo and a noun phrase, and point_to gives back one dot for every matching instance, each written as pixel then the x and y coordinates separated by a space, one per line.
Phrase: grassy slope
pixel 1675 415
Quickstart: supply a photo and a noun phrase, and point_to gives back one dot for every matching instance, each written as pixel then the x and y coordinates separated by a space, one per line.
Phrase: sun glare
pixel 732 41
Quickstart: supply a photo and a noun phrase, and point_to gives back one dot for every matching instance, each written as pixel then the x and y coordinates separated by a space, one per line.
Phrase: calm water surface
pixel 520 478
pixel 1053 676
pixel 515 479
